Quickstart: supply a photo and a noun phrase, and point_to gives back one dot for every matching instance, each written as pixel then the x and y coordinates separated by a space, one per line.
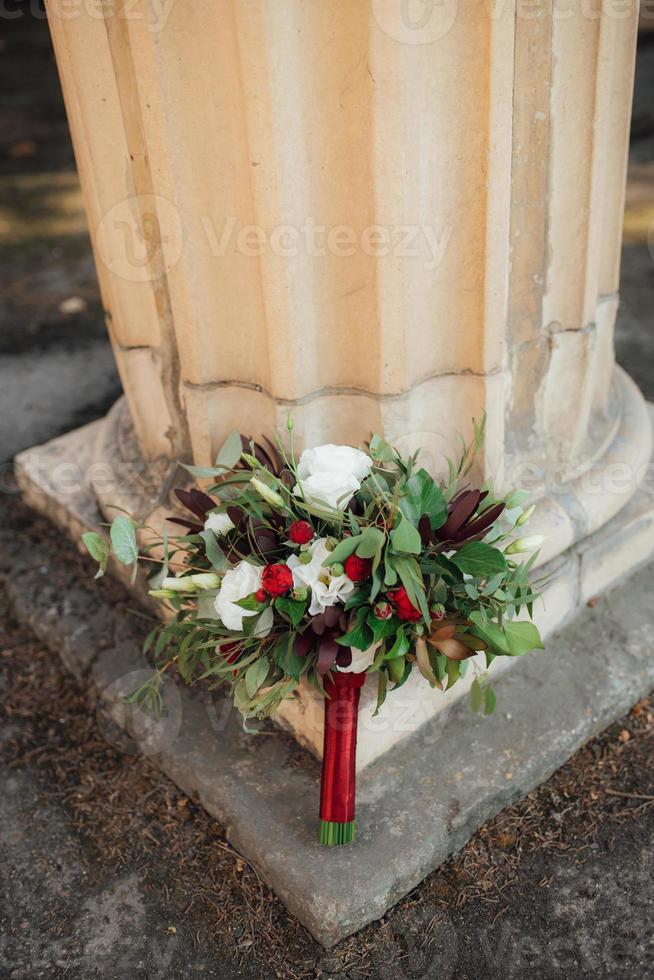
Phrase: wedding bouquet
pixel 329 569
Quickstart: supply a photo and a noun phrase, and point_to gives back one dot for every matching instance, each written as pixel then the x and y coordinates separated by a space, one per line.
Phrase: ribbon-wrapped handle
pixel 338 785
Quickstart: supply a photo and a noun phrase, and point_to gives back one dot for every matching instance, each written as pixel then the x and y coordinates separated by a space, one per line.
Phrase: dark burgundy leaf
pixel 327 653
pixel 202 501
pixel 236 515
pixel 459 514
pixel 303 643
pixel 186 499
pixel 193 528
pixel 424 527
pixel 344 657
pixel 331 615
pixel 318 624
pixel 481 523
pixel 275 456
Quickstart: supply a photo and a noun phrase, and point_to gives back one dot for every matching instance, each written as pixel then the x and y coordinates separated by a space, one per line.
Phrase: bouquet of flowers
pixel 327 569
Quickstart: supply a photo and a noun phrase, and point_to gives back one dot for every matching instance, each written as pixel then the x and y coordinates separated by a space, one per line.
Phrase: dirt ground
pixel 107 870
pixel 110 871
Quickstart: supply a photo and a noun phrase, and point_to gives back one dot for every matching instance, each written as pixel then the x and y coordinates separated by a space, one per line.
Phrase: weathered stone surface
pixel 418 803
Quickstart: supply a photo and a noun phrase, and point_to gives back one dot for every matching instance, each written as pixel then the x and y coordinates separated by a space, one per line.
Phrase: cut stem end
pixel 333 834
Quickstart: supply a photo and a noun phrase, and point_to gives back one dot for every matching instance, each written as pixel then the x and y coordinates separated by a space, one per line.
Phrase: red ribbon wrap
pixel 338 786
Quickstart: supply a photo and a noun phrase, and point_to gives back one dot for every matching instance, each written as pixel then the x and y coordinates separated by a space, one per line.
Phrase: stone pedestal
pixel 376 217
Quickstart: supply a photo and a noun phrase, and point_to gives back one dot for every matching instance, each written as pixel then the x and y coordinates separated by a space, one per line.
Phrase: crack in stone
pixel 334 390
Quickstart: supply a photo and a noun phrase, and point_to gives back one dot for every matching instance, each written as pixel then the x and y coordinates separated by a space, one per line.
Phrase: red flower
pixel 300 532
pixel 261 595
pixel 357 568
pixel 277 579
pixel 404 608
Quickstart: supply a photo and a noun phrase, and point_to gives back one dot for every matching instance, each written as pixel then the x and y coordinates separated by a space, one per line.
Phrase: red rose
pixel 261 595
pixel 404 608
pixel 357 568
pixel 300 532
pixel 277 579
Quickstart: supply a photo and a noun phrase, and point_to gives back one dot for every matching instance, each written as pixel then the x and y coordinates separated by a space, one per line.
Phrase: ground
pixel 108 870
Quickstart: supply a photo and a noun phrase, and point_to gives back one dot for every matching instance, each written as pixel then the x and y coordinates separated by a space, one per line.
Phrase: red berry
pixel 261 595
pixel 300 532
pixel 357 569
pixel 277 580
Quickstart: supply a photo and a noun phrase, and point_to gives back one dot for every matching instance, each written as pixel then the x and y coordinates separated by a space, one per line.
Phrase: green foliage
pixel 99 548
pixel 479 560
pixel 475 589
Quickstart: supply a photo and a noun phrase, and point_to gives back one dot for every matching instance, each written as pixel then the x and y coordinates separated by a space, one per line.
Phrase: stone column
pixel 381 215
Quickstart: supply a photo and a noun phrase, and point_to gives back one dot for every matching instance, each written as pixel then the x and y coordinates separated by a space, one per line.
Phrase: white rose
pixel 331 474
pixel 326 589
pixel 361 660
pixel 238 583
pixel 218 523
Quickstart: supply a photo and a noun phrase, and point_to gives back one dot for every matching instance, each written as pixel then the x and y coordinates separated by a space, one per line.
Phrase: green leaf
pixel 381 451
pixel 293 608
pixel 381 627
pixel 409 572
pixel 360 634
pixel 98 547
pixel 476 696
pixel 522 637
pixel 405 538
pixel 382 685
pixel 202 472
pixel 256 674
pixel 295 666
pixel 155 581
pixel 123 539
pixel 390 574
pixel 490 701
pixel 453 671
pixel 479 560
pixel 343 550
pixel 424 497
pixel 215 553
pixel 231 450
pixel 400 647
pixel 371 543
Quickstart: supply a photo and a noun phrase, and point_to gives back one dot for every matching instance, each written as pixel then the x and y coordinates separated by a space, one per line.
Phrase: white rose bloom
pixel 326 589
pixel 331 474
pixel 361 660
pixel 238 583
pixel 218 523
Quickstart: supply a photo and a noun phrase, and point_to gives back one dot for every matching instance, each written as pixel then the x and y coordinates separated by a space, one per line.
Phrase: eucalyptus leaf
pixel 255 675
pixel 230 451
pixel 371 543
pixel 215 553
pixel 343 550
pixel 123 539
